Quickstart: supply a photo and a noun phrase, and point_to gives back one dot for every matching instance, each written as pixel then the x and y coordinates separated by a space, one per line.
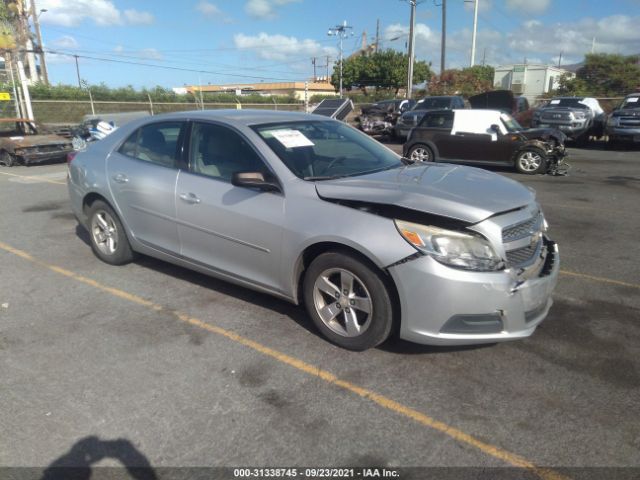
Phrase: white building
pixel 529 80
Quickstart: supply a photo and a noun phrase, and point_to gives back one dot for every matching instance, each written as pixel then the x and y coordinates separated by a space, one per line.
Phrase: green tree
pixel 386 69
pixel 466 82
pixel 604 75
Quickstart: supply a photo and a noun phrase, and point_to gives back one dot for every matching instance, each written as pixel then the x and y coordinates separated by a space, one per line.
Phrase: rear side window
pixel 155 143
pixel 438 120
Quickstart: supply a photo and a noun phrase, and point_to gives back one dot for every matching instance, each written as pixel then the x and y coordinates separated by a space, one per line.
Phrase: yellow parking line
pixel 599 279
pixel 328 377
pixel 29 177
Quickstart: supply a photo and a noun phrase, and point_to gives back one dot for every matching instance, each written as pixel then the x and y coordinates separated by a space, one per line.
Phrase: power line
pixel 166 67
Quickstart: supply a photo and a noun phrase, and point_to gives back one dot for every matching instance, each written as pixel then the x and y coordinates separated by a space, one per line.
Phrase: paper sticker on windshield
pixel 554 102
pixel 632 99
pixel 16 138
pixel 292 138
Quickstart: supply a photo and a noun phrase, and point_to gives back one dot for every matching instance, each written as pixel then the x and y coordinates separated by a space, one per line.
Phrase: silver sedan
pixel 311 210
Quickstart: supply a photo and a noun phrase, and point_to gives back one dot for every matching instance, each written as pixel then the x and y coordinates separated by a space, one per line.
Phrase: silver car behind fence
pixel 315 212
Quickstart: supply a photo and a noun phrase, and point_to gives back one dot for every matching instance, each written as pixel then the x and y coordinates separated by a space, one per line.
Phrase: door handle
pixel 189 198
pixel 120 178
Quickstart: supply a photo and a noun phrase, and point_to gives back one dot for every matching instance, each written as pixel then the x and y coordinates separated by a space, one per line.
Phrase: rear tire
pixel 420 153
pixel 531 161
pixel 109 241
pixel 348 301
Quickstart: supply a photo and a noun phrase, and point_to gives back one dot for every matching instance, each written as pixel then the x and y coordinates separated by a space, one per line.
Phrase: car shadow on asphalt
pixel 296 313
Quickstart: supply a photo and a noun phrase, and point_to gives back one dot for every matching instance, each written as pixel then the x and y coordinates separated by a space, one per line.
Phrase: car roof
pixel 241 117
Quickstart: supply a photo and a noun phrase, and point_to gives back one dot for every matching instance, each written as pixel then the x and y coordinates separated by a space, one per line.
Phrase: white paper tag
pixel 632 99
pixel 292 138
pixel 554 102
pixel 16 138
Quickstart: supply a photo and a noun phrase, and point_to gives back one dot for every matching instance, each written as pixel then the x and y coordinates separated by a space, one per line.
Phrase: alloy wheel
pixel 530 161
pixel 342 302
pixel 420 154
pixel 104 232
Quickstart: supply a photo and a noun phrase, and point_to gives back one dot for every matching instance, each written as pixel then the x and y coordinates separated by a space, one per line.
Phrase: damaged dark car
pixel 24 142
pixel 486 137
pixel 380 118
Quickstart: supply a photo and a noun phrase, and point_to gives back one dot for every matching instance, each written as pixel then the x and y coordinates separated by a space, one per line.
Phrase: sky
pixel 174 43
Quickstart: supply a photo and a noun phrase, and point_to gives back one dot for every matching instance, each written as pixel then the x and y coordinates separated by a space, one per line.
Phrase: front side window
pixel 320 150
pixel 155 143
pixel 510 123
pixel 218 152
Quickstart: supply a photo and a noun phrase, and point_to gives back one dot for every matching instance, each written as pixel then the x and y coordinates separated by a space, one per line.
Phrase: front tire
pixel 531 161
pixel 7 159
pixel 109 241
pixel 421 153
pixel 348 301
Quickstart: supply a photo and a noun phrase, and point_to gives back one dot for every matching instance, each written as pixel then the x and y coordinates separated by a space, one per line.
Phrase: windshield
pixel 433 103
pixel 510 123
pixel 631 102
pixel 321 150
pixel 567 102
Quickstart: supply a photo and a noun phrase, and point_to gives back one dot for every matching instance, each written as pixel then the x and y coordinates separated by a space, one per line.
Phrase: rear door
pixel 142 177
pixel 236 231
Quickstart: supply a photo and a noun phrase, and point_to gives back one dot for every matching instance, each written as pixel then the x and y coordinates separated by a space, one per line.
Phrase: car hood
pixel 531 133
pixel 461 193
pixel 627 112
pixel 495 100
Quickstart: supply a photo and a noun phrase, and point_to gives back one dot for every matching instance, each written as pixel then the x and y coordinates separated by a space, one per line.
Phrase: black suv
pixel 412 118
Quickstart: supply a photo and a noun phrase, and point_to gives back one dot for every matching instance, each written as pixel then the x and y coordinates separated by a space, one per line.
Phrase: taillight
pixel 71 156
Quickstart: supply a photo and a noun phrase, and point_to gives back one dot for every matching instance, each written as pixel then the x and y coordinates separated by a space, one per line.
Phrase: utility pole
pixel 377 36
pixel 78 72
pixel 412 23
pixel 341 31
pixel 560 59
pixel 36 24
pixel 475 32
pixel 443 46
pixel 313 62
pixel 327 79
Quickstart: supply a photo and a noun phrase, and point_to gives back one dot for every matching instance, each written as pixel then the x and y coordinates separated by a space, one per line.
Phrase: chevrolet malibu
pixel 315 212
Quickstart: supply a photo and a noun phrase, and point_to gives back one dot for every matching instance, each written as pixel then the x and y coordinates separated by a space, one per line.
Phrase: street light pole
pixel 443 47
pixel 341 32
pixel 411 46
pixel 475 31
pixel 36 24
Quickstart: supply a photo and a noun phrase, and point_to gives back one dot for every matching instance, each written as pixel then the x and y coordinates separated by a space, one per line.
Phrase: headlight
pixel 613 121
pixel 580 114
pixel 455 249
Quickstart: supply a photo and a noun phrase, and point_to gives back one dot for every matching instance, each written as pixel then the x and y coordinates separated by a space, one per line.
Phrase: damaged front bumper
pixel 446 306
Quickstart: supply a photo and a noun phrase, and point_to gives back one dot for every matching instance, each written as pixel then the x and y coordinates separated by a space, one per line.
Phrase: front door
pixel 236 231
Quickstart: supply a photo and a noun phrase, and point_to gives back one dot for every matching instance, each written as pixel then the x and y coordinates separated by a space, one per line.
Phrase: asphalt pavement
pixel 158 364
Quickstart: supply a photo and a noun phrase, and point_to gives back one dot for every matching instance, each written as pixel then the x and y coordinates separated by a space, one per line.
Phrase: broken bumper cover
pixel 445 306
pixel 29 157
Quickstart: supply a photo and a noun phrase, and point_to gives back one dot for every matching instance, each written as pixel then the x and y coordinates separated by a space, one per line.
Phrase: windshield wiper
pixel 323 177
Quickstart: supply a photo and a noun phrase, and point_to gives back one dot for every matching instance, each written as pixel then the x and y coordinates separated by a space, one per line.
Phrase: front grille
pixel 556 116
pixel 522 256
pixel 49 148
pixel 523 229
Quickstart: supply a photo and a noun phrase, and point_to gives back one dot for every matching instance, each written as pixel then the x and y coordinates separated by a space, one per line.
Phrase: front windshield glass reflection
pixel 320 150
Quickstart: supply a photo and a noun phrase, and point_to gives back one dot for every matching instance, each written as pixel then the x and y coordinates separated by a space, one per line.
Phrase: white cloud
pixel 66 41
pixel 528 6
pixel 208 9
pixel 280 47
pixel 71 13
pixel 613 34
pixel 264 8
pixel 135 17
pixel 150 53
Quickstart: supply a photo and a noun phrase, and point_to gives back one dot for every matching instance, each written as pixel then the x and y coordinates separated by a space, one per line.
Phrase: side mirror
pixel 495 128
pixel 254 180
